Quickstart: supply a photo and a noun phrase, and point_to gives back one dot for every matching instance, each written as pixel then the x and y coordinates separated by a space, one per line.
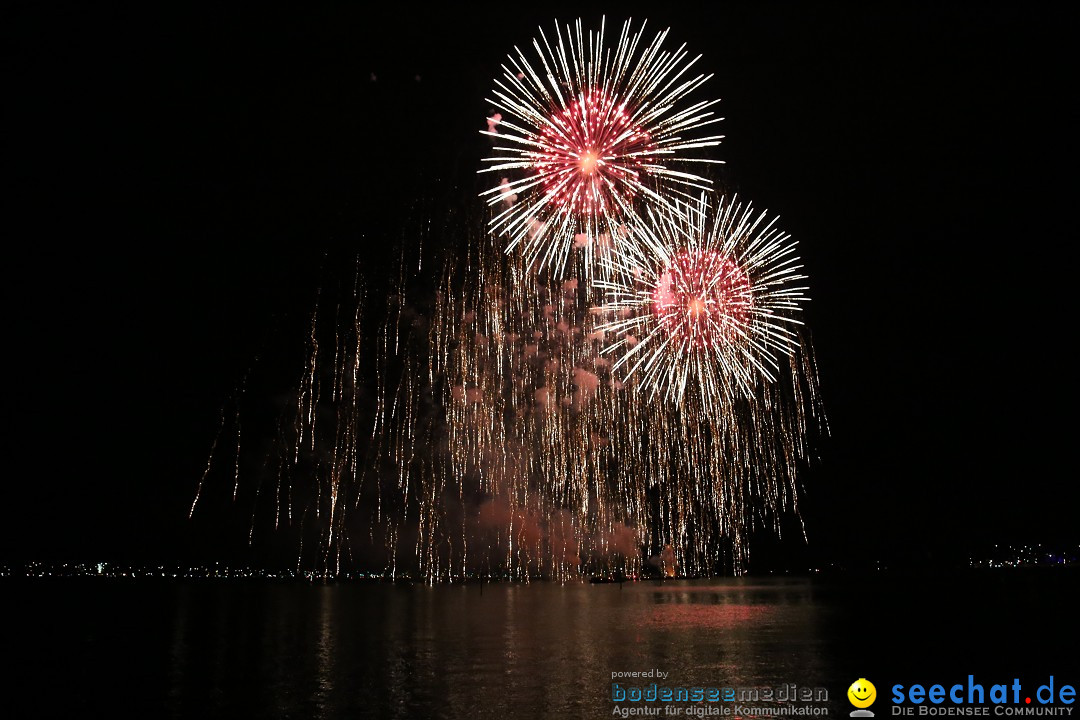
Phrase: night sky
pixel 179 183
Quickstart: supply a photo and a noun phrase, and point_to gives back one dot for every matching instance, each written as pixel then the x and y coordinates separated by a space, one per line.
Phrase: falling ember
pixel 500 440
pixel 589 135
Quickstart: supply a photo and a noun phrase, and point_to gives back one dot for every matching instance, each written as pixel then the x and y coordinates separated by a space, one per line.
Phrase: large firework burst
pixel 589 136
pixel 703 298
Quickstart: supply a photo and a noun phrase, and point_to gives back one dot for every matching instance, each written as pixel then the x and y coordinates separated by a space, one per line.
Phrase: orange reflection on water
pixel 700 615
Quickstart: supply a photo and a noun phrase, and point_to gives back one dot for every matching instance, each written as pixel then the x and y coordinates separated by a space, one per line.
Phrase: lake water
pixel 110 648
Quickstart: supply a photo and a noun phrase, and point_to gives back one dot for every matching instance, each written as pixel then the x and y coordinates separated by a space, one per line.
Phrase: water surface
pixel 115 648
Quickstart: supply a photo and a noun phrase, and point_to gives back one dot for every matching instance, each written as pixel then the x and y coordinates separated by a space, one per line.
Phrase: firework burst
pixel 590 135
pixel 706 299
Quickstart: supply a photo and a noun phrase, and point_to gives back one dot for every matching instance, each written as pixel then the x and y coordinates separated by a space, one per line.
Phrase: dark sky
pixel 177 179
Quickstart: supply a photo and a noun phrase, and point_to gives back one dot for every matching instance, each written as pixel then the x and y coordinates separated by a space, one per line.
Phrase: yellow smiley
pixel 862 693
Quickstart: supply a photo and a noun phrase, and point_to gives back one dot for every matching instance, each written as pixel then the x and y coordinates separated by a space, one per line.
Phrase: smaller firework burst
pixel 589 136
pixel 704 298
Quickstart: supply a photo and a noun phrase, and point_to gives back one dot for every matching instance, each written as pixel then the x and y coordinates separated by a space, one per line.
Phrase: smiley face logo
pixel 862 693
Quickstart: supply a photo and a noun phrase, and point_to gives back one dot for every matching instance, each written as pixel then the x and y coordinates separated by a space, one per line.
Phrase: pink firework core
pixel 703 296
pixel 591 157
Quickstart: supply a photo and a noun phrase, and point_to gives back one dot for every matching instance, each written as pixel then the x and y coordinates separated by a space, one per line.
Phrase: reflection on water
pixel 325 655
pixel 504 650
pixel 470 651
